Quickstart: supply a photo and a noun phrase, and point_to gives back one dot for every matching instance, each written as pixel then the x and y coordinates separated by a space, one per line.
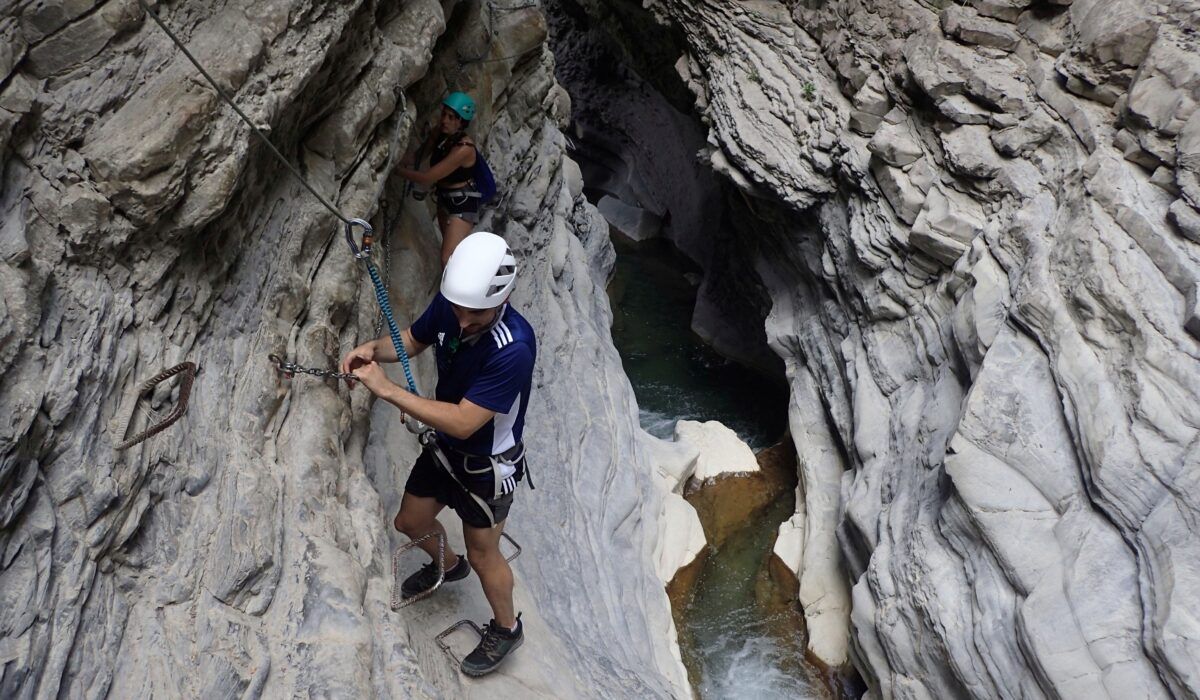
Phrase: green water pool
pixel 733 645
pixel 674 374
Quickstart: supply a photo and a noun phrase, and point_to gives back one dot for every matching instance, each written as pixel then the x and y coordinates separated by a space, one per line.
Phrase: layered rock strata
pixel 246 551
pixel 977 225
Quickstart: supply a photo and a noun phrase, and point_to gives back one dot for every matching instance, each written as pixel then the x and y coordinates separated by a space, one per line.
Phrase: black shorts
pixel 458 203
pixel 429 479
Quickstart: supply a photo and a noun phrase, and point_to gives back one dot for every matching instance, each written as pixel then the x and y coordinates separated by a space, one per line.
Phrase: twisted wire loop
pixel 188 370
pixel 445 646
pixel 398 601
pixel 516 547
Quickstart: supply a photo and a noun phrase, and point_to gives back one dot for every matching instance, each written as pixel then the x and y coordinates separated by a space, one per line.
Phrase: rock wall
pixel 246 550
pixel 977 225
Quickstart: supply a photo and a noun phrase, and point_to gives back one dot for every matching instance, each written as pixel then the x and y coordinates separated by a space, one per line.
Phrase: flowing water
pixel 674 375
pixel 741 647
pixel 734 645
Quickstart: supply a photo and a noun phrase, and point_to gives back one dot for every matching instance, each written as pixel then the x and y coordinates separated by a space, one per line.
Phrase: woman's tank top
pixel 440 151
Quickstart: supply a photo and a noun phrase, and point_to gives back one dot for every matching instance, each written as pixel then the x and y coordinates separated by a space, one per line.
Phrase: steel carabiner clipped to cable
pixel 368 238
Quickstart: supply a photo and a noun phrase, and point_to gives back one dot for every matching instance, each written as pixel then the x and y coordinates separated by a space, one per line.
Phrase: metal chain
pixel 291 369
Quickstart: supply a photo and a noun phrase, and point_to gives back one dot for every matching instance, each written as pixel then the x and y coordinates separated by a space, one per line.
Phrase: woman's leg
pixel 454 229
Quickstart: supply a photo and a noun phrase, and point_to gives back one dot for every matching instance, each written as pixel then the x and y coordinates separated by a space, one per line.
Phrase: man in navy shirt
pixel 485 352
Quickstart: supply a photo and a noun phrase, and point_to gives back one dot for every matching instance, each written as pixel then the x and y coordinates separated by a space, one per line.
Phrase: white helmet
pixel 480 273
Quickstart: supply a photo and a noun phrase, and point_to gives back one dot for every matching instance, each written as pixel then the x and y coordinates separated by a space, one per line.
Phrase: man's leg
pixel 483 549
pixel 417 518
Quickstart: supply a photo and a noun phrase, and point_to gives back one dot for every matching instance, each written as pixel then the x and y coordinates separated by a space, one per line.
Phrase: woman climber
pixel 451 166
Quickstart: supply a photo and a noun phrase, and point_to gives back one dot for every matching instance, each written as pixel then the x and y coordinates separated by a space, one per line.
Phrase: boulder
pixel 720 450
pixel 965 24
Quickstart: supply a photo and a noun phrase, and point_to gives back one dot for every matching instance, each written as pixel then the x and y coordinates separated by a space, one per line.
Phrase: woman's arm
pixel 413 159
pixel 461 156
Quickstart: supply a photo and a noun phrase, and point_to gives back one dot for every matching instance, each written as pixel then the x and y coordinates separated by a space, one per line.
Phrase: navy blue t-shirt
pixel 495 372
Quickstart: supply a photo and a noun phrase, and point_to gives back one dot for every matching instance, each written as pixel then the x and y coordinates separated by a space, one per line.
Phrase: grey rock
pixel 947 223
pixel 1117 31
pixel 904 195
pixel 961 110
pixel 1048 34
pixel 1186 219
pixel 1187 146
pixel 1006 10
pixel 969 152
pixel 895 145
pixel 77 42
pixel 965 24
pixel 246 551
pixel 942 68
pixel 1001 337
pixel 1025 136
pixel 870 103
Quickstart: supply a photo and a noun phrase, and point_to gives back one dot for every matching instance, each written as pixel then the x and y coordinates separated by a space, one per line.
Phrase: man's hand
pixel 362 355
pixel 373 377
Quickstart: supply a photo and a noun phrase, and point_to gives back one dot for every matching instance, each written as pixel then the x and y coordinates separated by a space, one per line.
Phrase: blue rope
pixel 385 305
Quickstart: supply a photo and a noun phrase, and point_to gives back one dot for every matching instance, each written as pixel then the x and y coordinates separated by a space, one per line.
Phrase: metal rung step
pixel 398 601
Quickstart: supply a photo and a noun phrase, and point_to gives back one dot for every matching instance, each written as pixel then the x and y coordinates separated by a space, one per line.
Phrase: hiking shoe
pixel 496 645
pixel 427 576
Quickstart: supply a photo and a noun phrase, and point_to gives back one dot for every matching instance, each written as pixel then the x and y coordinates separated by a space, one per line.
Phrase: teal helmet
pixel 462 104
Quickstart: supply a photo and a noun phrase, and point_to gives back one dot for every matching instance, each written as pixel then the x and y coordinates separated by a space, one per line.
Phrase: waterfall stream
pixel 734 643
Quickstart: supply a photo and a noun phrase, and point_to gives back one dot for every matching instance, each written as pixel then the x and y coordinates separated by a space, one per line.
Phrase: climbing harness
pixel 188 370
pixel 428 440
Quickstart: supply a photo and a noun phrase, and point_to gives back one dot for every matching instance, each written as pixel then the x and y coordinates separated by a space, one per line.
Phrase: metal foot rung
pixel 516 547
pixel 441 638
pixel 398 601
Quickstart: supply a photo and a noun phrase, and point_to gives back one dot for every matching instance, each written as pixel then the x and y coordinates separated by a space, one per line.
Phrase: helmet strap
pixel 471 339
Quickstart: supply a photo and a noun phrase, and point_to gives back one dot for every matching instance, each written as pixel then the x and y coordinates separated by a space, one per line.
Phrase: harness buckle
pixel 368 238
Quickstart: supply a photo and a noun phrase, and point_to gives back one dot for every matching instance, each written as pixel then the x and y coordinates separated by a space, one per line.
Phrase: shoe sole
pixel 477 674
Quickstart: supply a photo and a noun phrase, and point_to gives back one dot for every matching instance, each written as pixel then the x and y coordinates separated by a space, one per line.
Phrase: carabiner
pixel 368 237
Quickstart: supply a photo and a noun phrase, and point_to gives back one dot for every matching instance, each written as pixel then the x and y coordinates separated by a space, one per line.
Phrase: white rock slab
pixel 721 451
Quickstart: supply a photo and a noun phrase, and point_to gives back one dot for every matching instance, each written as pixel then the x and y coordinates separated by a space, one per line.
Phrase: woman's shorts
pixel 459 203
pixel 429 479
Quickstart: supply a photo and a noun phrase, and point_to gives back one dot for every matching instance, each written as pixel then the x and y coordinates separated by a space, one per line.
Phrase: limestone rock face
pixel 246 551
pixel 979 241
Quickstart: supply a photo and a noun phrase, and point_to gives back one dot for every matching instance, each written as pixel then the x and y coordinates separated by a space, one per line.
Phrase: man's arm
pixel 380 350
pixel 459 420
